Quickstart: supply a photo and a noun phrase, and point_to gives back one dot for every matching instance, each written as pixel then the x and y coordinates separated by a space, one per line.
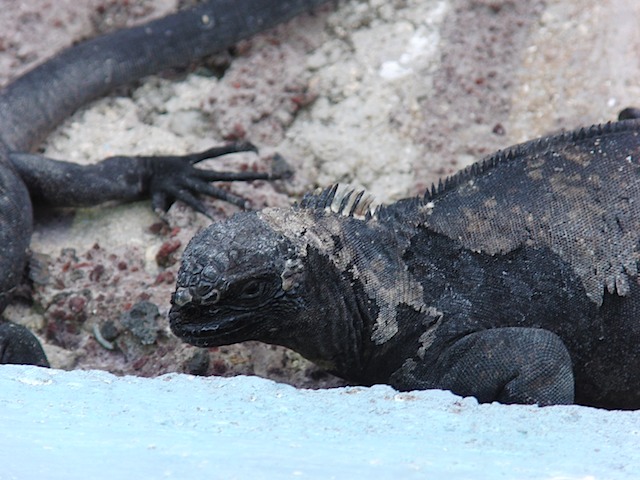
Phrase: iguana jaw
pixel 202 330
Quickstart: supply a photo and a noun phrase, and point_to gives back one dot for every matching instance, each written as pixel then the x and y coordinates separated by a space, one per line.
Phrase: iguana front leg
pixel 506 365
pixel 125 178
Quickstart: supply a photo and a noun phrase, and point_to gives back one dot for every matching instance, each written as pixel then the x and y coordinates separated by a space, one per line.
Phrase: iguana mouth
pixel 205 330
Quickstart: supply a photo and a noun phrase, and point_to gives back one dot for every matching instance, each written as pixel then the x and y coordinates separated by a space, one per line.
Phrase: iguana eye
pixel 252 290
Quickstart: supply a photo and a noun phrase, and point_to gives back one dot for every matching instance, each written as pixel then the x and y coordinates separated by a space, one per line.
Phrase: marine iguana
pixel 515 280
pixel 33 104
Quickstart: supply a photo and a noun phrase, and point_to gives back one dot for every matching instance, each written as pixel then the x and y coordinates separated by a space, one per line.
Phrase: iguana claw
pixel 176 178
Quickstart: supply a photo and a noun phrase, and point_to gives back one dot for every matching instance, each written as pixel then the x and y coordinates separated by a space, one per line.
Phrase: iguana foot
pixel 176 178
pixel 19 346
pixel 509 365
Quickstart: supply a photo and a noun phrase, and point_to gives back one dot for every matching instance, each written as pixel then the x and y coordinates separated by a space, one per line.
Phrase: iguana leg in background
pixel 164 179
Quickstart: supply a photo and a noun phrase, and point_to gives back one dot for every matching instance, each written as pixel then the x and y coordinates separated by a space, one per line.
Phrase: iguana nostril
pixel 205 293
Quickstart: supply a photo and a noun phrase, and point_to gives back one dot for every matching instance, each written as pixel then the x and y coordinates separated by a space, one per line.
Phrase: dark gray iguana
pixel 515 280
pixel 32 105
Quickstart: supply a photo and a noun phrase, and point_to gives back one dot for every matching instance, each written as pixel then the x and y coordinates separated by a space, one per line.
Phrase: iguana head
pixel 265 275
pixel 236 276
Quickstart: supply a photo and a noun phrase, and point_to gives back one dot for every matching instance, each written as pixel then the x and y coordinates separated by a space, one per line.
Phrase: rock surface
pixel 77 425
